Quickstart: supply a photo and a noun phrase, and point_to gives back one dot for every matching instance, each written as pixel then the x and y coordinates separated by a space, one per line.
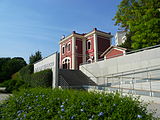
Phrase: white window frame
pixel 67 60
pixel 63 49
pixel 89 41
pixel 69 47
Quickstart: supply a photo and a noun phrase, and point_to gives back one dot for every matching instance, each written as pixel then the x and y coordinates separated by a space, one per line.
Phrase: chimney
pixel 95 29
pixel 63 36
pixel 73 32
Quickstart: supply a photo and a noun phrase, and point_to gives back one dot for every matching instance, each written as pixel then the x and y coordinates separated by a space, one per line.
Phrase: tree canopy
pixel 141 18
pixel 34 58
pixel 10 66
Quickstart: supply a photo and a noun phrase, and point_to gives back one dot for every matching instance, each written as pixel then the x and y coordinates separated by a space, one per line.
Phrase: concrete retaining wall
pixel 139 60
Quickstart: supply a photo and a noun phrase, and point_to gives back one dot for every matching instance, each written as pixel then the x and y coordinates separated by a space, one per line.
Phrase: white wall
pixel 144 59
pixel 50 62
pixel 120 37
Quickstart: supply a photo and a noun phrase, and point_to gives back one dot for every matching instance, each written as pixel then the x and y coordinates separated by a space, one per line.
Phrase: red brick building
pixel 114 51
pixel 81 48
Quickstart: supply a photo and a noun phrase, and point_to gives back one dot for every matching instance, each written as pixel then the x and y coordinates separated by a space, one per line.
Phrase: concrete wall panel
pixel 139 60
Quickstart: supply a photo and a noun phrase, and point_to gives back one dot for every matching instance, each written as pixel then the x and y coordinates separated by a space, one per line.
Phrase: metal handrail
pixel 89 72
pixel 63 80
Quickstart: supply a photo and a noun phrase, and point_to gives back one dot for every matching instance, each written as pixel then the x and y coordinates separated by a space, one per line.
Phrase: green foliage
pixel 43 104
pixel 36 57
pixel 13 84
pixel 27 69
pixel 127 44
pixel 39 79
pixel 19 79
pixel 17 76
pixel 25 74
pixel 42 79
pixel 3 74
pixel 25 78
pixel 5 83
pixel 10 66
pixel 142 20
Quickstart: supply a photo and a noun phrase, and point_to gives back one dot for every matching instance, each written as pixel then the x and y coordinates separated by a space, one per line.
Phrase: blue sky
pixel 30 25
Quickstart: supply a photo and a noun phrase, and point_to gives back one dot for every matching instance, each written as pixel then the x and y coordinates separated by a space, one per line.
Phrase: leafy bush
pixel 14 84
pixel 39 79
pixel 19 79
pixel 42 79
pixel 27 69
pixel 25 78
pixel 42 104
pixel 10 66
pixel 17 76
pixel 5 83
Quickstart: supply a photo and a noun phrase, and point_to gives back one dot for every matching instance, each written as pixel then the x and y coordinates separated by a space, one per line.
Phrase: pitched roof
pixel 112 47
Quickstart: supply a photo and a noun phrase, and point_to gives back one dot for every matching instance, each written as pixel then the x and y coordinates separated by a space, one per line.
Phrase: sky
pixel 27 26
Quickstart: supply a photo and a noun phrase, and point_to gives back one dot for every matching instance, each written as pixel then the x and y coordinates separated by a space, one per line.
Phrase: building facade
pixel 120 37
pixel 76 48
pixel 114 51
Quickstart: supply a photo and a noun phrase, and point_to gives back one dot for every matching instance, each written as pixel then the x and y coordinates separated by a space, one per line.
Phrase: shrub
pixel 25 78
pixel 10 66
pixel 42 79
pixel 27 69
pixel 14 84
pixel 5 83
pixel 39 79
pixel 42 104
pixel 17 76
pixel 19 79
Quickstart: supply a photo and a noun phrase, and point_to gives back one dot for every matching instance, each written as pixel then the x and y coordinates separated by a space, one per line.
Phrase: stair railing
pixel 63 82
pixel 94 78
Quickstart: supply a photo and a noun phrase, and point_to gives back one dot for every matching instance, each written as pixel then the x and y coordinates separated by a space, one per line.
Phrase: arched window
pixel 88 45
pixel 69 47
pixel 66 63
pixel 89 61
pixel 63 49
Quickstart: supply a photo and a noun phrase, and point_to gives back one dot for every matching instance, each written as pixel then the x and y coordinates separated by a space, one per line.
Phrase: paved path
pixel 4 96
pixel 154 106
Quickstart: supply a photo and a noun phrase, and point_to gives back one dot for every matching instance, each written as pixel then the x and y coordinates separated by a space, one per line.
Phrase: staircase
pixel 74 79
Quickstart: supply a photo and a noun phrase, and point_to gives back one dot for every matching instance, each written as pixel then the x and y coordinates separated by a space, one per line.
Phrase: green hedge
pixel 14 84
pixel 27 70
pixel 39 79
pixel 42 79
pixel 25 78
pixel 46 104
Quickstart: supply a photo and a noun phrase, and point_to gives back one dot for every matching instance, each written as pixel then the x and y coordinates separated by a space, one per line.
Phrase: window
pixel 66 63
pixel 88 45
pixel 89 61
pixel 63 50
pixel 69 47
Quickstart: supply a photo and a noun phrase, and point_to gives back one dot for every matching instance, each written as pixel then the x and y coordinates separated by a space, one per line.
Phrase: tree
pixel 34 58
pixel 141 18
pixel 3 74
pixel 10 66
